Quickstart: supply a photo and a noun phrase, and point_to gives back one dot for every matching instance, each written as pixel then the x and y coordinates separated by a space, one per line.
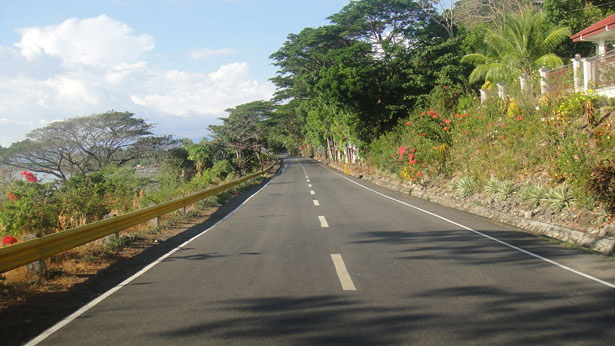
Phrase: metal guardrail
pixel 20 254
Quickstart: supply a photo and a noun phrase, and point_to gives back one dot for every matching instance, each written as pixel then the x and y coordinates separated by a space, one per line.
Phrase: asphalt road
pixel 316 259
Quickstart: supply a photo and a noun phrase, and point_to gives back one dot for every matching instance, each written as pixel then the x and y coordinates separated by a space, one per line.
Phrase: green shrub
pixel 30 208
pixel 602 183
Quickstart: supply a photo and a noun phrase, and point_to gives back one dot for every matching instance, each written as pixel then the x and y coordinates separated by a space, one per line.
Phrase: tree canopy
pixel 85 144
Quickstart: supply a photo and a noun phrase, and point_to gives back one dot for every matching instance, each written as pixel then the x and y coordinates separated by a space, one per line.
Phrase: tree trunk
pixel 239 161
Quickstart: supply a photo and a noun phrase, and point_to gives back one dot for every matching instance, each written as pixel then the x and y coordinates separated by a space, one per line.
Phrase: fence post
pixel 523 82
pixel 483 95
pixel 576 65
pixel 501 91
pixel 543 80
pixel 587 73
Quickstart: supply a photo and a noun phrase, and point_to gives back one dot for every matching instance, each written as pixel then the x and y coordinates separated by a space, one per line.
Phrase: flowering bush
pixel 31 207
pixel 9 240
pixel 29 176
pixel 574 105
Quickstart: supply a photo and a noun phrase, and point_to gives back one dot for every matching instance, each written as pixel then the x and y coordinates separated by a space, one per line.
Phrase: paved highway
pixel 317 258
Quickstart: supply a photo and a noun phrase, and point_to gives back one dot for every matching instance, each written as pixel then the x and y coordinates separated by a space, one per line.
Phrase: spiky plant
pixel 533 194
pixel 506 189
pixel 491 186
pixel 560 197
pixel 465 186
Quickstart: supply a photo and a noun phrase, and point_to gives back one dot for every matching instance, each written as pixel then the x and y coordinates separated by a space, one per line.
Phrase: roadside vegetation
pixel 393 87
pixel 80 170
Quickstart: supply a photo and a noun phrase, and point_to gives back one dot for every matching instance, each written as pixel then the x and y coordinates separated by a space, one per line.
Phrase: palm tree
pixel 523 44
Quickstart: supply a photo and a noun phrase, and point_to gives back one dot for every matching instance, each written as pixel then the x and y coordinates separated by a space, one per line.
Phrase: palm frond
pixel 549 60
pixel 478 73
pixel 555 37
pixel 475 59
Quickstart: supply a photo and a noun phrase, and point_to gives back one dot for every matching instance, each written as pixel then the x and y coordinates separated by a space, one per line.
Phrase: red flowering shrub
pixel 32 208
pixel 402 151
pixel 29 176
pixel 9 240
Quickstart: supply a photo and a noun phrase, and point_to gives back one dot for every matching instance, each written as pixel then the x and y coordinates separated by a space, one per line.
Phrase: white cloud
pixel 90 41
pixel 76 68
pixel 206 52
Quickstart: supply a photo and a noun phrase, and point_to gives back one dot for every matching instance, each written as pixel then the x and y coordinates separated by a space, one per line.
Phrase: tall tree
pixel 383 23
pixel 441 12
pixel 302 57
pixel 244 129
pixel 577 15
pixel 85 144
pixel 470 13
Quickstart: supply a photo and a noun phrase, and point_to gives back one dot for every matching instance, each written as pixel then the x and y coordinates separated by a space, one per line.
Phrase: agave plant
pixel 560 197
pixel 586 202
pixel 505 190
pixel 533 194
pixel 491 186
pixel 465 186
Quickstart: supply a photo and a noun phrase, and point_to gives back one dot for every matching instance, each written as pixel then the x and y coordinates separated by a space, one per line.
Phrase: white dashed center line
pixel 316 203
pixel 312 192
pixel 342 273
pixel 323 222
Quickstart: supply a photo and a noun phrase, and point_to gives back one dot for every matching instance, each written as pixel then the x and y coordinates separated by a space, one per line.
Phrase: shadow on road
pixel 315 320
pixel 496 316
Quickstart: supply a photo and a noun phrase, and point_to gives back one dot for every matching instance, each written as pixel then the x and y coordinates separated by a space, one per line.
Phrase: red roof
pixel 607 23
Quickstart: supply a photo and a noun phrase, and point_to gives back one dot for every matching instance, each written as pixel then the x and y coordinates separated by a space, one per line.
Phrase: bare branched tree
pixel 471 12
pixel 441 12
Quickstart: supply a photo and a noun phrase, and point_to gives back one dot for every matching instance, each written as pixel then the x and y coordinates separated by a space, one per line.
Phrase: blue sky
pixel 177 63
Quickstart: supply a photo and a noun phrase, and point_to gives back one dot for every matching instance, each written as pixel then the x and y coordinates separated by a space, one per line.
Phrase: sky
pixel 175 63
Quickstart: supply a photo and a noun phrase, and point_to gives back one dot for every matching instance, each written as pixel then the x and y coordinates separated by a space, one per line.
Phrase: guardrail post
pixel 111 237
pixel 36 268
pixel 155 222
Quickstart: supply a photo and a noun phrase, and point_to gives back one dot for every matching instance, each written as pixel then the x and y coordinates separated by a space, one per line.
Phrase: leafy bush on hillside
pixel 557 138
pixel 602 182
pixel 31 207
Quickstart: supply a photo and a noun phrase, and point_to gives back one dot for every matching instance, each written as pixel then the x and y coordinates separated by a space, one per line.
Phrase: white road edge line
pixel 316 202
pixel 587 276
pixel 323 222
pixel 105 295
pixel 342 273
